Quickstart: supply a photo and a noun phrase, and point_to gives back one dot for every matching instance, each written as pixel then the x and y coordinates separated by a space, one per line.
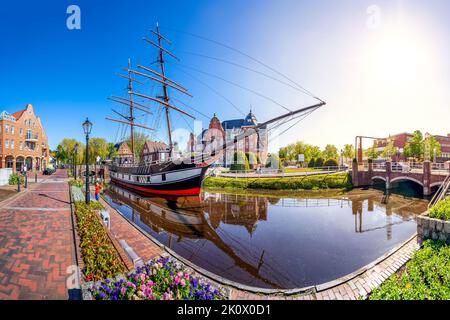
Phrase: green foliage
pixel 416 146
pixel 331 163
pixel 389 151
pixel 77 183
pixel 441 210
pixel 330 152
pixel 425 277
pixel 333 181
pixel 311 163
pixel 348 151
pixel 274 162
pixel 98 147
pixel 240 162
pixel 319 162
pixel 252 159
pixel 139 140
pixel 112 151
pixel 15 178
pixel 372 152
pixel 100 257
pixel 64 151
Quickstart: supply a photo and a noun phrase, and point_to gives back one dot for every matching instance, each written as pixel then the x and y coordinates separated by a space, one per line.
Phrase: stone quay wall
pixel 435 229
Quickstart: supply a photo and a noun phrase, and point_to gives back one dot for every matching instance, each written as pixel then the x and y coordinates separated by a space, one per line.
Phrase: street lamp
pixel 87 127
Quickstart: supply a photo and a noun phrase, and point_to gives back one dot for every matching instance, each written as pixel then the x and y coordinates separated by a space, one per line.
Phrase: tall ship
pixel 167 172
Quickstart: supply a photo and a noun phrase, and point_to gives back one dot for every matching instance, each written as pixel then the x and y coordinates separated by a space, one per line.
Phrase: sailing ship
pixel 169 175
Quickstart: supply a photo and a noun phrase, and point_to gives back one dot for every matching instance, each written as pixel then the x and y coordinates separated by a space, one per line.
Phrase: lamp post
pixel 87 127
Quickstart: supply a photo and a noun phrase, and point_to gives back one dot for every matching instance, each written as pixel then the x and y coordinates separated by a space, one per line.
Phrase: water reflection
pixel 274 242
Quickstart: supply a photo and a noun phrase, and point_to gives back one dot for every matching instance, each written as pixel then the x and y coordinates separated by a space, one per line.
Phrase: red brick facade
pixel 23 141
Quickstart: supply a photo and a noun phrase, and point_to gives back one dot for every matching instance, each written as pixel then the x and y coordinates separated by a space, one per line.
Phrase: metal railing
pixel 441 193
pixel 267 172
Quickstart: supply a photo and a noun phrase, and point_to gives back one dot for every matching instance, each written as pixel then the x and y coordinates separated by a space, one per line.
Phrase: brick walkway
pixel 36 241
pixel 354 287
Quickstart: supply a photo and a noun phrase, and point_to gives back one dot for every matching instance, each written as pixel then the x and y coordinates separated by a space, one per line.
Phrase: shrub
pixel 100 257
pixel 425 277
pixel 252 159
pixel 333 181
pixel 319 162
pixel 77 183
pixel 159 279
pixel 441 210
pixel 274 162
pixel 311 163
pixel 331 163
pixel 15 178
pixel 240 162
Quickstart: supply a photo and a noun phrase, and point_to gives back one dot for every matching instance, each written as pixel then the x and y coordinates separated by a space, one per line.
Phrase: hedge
pixel 333 181
pixel 441 210
pixel 425 277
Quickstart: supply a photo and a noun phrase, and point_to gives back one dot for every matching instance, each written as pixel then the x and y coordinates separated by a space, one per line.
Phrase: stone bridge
pixel 428 175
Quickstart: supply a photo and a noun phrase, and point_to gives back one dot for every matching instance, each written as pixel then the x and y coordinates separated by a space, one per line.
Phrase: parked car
pixel 49 171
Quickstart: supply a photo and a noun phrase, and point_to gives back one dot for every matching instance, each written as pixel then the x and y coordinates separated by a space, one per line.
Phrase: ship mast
pixel 165 93
pixel 130 89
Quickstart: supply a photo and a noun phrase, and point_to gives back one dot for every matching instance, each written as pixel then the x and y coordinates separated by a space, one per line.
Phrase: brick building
pixel 226 131
pixel 401 139
pixel 23 141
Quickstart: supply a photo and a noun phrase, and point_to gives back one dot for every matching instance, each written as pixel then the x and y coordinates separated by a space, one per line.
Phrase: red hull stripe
pixel 184 192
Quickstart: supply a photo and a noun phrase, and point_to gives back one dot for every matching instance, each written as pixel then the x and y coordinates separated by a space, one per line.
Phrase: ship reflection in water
pixel 274 242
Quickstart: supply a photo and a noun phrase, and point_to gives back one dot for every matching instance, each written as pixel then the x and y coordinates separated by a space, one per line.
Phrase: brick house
pixel 401 139
pixel 226 131
pixel 23 141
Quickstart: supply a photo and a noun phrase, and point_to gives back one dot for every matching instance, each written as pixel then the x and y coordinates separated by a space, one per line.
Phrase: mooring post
pixel 355 174
pixel 18 184
pixel 426 177
pixel 35 176
pixel 388 174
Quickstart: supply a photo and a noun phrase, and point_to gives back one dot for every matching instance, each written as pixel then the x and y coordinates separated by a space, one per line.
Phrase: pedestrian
pixel 98 188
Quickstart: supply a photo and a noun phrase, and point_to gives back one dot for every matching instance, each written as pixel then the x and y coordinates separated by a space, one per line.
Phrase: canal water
pixel 273 242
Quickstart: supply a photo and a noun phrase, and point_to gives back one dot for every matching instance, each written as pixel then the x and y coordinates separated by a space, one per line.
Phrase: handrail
pixel 440 194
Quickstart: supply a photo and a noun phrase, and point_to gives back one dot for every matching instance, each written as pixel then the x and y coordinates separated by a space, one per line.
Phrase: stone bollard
pixel 18 185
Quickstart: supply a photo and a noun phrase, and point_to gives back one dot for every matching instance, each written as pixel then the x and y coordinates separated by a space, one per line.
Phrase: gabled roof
pixel 232 124
pixel 153 146
pixel 18 114
pixel 123 149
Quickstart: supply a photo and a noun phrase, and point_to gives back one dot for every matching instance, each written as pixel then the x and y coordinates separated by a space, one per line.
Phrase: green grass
pixel 295 170
pixel 425 277
pixel 332 181
pixel 441 210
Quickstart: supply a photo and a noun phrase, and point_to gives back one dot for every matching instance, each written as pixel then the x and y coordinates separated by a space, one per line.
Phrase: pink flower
pixel 183 282
pixel 123 290
pixel 167 296
pixel 186 276
pixel 180 274
pixel 177 280
pixel 150 283
pixel 143 277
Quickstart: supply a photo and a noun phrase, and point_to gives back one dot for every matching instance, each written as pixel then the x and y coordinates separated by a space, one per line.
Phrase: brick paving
pixel 36 241
pixel 354 288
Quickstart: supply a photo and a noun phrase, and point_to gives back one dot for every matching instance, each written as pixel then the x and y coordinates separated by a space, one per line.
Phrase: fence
pixel 273 173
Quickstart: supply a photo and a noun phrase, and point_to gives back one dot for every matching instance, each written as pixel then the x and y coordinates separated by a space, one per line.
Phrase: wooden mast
pixel 166 95
pixel 131 118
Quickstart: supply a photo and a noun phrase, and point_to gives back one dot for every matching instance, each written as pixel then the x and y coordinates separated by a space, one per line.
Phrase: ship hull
pixel 172 180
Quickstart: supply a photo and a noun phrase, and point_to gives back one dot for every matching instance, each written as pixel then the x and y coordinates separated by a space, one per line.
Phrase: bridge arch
pixel 407 179
pixel 379 178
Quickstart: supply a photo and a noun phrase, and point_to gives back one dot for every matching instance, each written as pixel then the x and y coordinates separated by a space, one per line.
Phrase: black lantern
pixel 87 127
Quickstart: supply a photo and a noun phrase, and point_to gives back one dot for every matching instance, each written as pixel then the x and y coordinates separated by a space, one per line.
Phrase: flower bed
pixel 425 277
pixel 441 210
pixel 99 255
pixel 159 279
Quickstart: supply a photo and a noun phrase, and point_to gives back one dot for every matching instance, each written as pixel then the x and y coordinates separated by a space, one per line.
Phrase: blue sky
pixel 381 81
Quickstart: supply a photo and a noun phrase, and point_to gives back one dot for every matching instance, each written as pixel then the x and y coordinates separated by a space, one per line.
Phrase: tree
pixel 140 139
pixel 273 161
pixel 252 159
pixel 348 151
pixel 414 147
pixel 372 152
pixel 331 163
pixel 64 150
pixel 319 162
pixel 389 151
pixel 240 162
pixel 112 151
pixel 330 152
pixel 435 147
pixel 311 163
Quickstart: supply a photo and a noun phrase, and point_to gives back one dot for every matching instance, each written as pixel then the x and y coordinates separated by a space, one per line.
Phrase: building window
pixel 6 143
pixel 12 129
pixel 21 146
pixel 21 131
pixel 29 135
pixel 6 128
pixel 12 143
